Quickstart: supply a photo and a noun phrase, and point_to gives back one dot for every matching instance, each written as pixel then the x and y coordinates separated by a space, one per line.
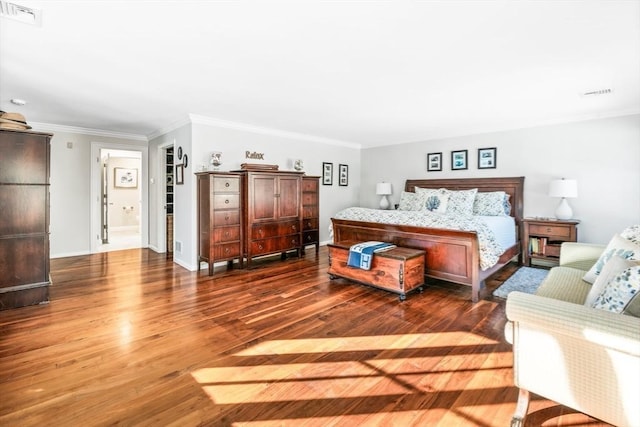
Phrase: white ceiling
pixel 365 72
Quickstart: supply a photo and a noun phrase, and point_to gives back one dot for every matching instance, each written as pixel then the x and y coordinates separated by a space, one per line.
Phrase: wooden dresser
pixel 24 218
pixel 310 212
pixel 272 212
pixel 220 232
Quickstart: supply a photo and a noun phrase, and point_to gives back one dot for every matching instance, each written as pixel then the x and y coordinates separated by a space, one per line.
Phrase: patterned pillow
pixel 409 202
pixel 460 202
pixel 620 291
pixel 611 269
pixel 491 204
pixel 433 200
pixel 632 233
pixel 617 246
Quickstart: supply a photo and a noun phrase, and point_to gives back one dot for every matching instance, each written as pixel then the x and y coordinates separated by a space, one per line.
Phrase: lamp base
pixel 564 211
pixel 384 203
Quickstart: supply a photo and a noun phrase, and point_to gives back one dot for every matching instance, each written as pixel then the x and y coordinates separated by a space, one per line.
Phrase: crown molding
pixel 226 124
pixel 171 127
pixel 49 127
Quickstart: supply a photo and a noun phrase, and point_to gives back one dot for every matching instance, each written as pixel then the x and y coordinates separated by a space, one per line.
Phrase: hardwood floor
pixel 130 338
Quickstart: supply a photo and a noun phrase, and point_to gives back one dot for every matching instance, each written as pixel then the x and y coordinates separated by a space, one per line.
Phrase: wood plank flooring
pixel 129 338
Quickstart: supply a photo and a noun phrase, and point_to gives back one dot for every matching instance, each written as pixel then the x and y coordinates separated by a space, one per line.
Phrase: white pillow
pixel 620 291
pixel 435 201
pixel 611 269
pixel 617 246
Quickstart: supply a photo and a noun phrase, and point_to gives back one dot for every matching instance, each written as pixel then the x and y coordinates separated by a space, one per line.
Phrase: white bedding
pixel 493 234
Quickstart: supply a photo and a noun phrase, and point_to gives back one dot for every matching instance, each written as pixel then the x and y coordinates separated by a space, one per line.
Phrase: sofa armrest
pixel 611 330
pixel 581 357
pixel 580 255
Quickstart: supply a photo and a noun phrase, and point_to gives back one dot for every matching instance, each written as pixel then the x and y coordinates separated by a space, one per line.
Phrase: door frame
pixel 162 194
pixel 96 203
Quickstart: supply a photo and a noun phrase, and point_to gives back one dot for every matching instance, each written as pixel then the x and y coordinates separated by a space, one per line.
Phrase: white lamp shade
pixel 563 188
pixel 383 188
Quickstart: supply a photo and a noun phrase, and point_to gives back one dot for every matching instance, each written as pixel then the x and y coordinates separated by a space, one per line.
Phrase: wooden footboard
pixel 451 255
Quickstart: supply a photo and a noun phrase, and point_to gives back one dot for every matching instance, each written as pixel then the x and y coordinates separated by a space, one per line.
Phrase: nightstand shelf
pixel 543 237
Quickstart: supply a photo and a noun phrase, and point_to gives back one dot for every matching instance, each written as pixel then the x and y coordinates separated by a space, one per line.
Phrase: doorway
pixel 119 200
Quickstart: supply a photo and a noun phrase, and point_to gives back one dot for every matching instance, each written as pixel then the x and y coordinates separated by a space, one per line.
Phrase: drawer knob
pixel 226 202
pixel 226 184
pixel 226 218
pixel 260 247
pixel 226 250
pixel 226 234
pixel 308 237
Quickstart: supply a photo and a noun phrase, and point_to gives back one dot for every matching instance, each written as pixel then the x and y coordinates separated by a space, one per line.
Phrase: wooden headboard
pixel 513 186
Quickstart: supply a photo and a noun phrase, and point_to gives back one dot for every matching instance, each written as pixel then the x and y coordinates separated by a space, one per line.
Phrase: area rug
pixel 526 279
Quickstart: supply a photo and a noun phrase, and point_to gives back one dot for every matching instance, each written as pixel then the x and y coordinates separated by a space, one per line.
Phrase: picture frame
pixel 327 173
pixel 459 160
pixel 343 175
pixel 179 174
pixel 125 177
pixel 487 158
pixel 434 162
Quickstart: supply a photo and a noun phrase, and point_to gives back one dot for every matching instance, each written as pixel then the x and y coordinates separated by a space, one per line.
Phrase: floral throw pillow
pixel 632 233
pixel 460 202
pixel 491 204
pixel 620 291
pixel 409 202
pixel 618 246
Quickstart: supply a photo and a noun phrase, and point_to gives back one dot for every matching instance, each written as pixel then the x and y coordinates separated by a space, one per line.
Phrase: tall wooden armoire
pixel 24 218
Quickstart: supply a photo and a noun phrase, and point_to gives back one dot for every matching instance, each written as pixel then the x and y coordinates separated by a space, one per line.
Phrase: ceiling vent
pixel 597 92
pixel 23 14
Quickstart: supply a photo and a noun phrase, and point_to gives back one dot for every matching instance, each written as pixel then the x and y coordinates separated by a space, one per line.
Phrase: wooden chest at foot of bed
pixel 398 270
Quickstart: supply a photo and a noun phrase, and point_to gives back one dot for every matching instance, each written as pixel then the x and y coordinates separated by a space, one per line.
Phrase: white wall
pixel 70 190
pixel 602 155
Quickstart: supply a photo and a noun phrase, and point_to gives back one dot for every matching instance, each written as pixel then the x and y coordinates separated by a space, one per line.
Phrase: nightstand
pixel 542 237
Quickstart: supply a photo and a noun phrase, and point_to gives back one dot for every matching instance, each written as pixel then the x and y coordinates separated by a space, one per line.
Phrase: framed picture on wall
pixel 434 162
pixel 343 177
pixel 487 158
pixel 179 174
pixel 126 178
pixel 458 160
pixel 327 173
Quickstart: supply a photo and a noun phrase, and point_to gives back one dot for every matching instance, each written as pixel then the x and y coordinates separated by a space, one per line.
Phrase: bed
pixel 451 255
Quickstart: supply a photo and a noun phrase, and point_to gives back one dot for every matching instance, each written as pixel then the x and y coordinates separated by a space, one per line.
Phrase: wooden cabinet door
pixel 263 203
pixel 289 197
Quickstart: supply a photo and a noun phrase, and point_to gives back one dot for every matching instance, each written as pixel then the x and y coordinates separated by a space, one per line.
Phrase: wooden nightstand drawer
pixel 550 230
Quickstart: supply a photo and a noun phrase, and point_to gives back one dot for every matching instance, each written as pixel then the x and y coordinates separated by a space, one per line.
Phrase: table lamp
pixel 383 189
pixel 563 188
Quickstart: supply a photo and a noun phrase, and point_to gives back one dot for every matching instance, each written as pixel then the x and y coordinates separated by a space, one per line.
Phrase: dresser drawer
pixel 309 198
pixel 226 185
pixel 226 250
pixel 226 201
pixel 550 230
pixel 275 244
pixel 261 231
pixel 310 212
pixel 226 234
pixel 310 185
pixel 310 237
pixel 222 218
pixel 310 224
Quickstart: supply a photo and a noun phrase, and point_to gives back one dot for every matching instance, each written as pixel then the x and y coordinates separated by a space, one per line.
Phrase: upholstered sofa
pixel 582 357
